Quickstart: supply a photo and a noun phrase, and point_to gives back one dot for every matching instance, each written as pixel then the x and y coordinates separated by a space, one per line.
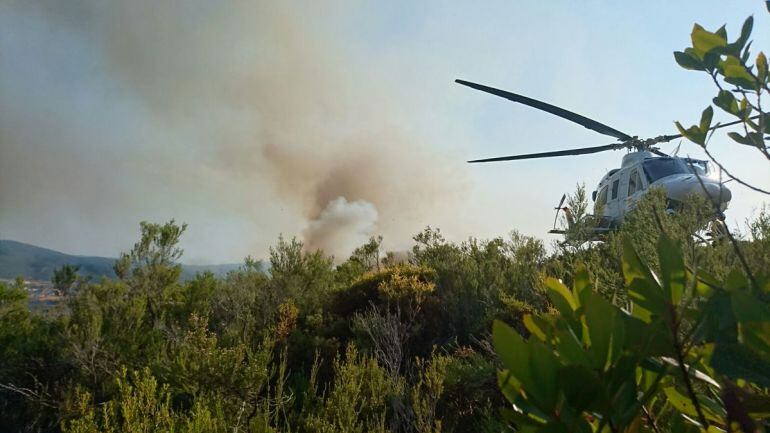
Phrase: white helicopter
pixel 642 168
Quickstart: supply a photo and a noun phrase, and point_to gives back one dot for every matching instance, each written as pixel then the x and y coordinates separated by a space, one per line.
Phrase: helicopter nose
pixel 718 192
pixel 679 188
pixel 714 191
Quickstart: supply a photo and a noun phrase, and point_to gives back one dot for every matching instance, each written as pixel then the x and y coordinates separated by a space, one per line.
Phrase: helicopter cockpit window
pixel 699 167
pixel 634 183
pixel 615 189
pixel 601 200
pixel 659 168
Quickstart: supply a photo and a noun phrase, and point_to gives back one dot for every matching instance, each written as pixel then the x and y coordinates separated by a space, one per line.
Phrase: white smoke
pixel 341 227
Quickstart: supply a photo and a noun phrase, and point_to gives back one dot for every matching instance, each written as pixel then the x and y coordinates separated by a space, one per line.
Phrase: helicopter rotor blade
pixel 557 111
pixel 569 152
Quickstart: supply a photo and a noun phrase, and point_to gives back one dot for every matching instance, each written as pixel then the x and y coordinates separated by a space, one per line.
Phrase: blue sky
pixel 248 120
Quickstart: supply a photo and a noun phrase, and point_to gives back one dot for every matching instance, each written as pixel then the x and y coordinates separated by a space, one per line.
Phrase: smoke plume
pixel 253 117
pixel 341 226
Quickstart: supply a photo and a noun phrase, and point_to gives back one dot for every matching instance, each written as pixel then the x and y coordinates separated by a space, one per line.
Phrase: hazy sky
pixel 329 121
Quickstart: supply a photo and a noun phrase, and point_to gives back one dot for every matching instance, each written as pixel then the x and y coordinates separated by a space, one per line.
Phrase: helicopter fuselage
pixel 620 189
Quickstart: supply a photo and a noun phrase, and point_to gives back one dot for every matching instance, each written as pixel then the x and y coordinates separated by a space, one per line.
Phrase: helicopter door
pixel 635 189
pixel 614 203
pixel 600 206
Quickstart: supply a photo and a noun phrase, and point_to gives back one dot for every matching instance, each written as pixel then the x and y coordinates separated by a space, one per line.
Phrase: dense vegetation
pixel 368 344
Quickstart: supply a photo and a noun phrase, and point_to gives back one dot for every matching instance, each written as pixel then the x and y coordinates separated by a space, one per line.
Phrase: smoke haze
pixel 249 117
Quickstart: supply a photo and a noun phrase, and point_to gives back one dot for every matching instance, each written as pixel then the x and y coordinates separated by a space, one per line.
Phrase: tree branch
pixel 731 176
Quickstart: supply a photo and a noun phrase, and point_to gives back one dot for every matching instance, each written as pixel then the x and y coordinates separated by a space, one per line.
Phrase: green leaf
pixel 722 32
pixel 746 53
pixel 761 66
pixel 561 297
pixel 512 350
pixel 543 369
pixel 692 133
pixel 680 402
pixel 602 328
pixel 582 283
pixel 756 336
pixel 509 386
pixel 737 361
pixel 688 61
pixel 718 319
pixel 633 268
pixel 736 280
pixel 738 45
pixel 535 326
pixel 735 73
pixel 705 119
pixel 704 41
pixel 679 425
pixel 582 387
pixel 740 138
pixel 646 338
pixel 520 419
pixel 672 269
pixel 748 308
pixel 643 286
pixel 727 102
pixel 569 347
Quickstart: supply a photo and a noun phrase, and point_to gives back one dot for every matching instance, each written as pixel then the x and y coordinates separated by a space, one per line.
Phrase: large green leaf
pixel 736 47
pixel 735 73
pixel 756 336
pixel 748 308
pixel 643 286
pixel 522 421
pixel 672 270
pixel 727 102
pixel 581 284
pixel 540 326
pixel 582 387
pixel 680 402
pixel 569 347
pixel 513 352
pixel 739 138
pixel 543 369
pixel 736 280
pixel 692 133
pixel 604 330
pixel 561 297
pixel 704 41
pixel 719 322
pixel 688 61
pixel 705 119
pixel 509 385
pixel 738 361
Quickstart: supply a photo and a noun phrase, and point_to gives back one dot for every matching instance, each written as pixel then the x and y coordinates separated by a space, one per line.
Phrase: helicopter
pixel 644 167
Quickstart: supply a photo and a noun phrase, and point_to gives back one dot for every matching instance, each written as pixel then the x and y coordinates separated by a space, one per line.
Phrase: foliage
pixel 687 338
pixel 727 63
pixel 310 346
pixel 64 278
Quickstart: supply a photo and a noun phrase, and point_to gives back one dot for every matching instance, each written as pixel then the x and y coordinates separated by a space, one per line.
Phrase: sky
pixel 331 121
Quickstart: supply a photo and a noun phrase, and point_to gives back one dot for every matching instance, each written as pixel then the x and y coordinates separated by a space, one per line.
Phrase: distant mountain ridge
pixel 38 263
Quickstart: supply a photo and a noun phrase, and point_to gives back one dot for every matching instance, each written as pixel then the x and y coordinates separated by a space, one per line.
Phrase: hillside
pixel 37 263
